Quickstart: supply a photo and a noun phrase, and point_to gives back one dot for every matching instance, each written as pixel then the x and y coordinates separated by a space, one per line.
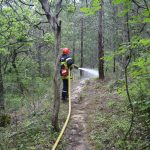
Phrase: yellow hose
pixel 68 117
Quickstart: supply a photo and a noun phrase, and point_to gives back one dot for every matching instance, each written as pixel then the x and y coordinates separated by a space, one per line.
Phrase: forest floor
pixel 100 119
pixel 92 102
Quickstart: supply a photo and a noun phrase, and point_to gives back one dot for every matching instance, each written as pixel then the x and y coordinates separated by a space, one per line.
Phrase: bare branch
pixel 58 6
pixel 25 3
pixel 12 8
pixel 58 13
pixel 137 4
pixel 46 6
pixel 39 28
pixel 143 27
pixel 39 13
pixel 41 23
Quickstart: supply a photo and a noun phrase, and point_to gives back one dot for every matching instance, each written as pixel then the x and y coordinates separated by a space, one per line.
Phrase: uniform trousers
pixel 65 90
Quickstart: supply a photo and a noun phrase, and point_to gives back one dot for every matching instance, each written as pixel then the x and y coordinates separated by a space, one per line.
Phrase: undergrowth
pixel 109 120
pixel 32 132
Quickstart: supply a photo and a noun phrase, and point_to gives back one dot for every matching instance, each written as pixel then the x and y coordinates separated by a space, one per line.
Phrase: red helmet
pixel 66 51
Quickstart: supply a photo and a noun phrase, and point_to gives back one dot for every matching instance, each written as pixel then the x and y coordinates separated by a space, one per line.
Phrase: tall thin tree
pixel 100 44
pixel 1 87
pixel 81 60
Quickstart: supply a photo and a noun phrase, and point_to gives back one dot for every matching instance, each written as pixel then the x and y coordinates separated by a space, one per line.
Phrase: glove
pixel 76 67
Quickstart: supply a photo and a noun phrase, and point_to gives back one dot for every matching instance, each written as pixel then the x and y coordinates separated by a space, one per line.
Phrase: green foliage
pixel 95 6
pixel 31 134
pixel 145 42
pixel 71 8
pixel 126 6
pixel 13 101
pixel 49 38
pixel 4 51
pixel 116 2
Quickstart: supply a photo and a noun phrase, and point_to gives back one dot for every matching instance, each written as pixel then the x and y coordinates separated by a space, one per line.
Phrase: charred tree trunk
pixel 100 46
pixel 2 106
pixel 81 61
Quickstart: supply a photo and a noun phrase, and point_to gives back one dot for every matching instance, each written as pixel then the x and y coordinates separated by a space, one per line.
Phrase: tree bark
pixel 100 46
pixel 2 106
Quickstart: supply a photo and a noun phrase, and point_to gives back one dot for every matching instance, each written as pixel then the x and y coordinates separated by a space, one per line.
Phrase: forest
pixel 110 36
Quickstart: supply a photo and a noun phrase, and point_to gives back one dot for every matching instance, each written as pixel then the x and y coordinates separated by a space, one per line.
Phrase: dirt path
pixel 76 133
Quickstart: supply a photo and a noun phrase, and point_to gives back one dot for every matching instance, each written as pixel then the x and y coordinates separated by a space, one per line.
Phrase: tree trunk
pixel 20 85
pixel 56 80
pixel 81 61
pixel 74 42
pixel 100 47
pixel 126 81
pixel 56 26
pixel 114 40
pixel 2 107
pixel 39 61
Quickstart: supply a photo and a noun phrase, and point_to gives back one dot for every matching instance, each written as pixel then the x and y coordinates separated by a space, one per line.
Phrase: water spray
pixel 91 73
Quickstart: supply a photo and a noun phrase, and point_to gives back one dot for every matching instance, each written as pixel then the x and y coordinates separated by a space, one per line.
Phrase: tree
pixel 1 86
pixel 56 27
pixel 81 65
pixel 100 45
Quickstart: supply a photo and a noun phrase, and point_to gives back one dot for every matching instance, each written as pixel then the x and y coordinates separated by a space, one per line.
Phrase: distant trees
pixel 13 36
pixel 19 33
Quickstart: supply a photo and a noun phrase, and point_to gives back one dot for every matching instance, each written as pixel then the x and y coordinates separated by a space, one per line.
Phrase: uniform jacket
pixel 65 63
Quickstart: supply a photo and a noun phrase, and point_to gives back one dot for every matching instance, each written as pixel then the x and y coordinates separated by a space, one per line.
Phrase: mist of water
pixel 90 73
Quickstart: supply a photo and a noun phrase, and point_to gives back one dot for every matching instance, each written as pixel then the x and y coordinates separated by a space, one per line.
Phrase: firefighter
pixel 66 63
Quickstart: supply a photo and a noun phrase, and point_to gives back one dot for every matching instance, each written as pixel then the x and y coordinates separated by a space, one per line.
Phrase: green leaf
pixel 95 6
pixel 145 13
pixel 146 20
pixel 116 2
pixel 145 42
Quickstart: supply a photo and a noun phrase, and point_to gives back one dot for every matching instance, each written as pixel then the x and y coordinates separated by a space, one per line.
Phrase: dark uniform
pixel 66 64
